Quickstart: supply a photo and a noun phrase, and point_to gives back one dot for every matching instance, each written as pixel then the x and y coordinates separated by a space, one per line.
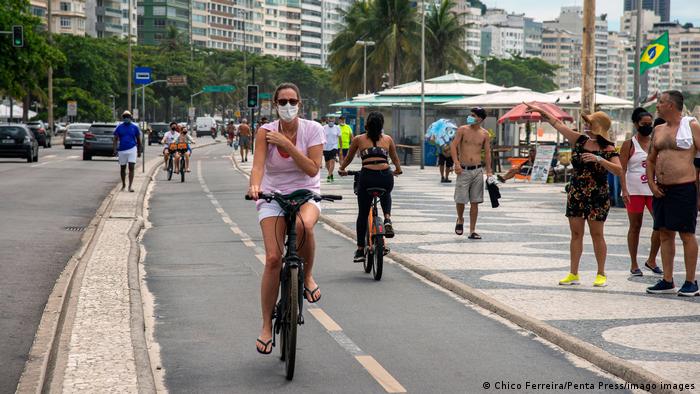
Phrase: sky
pixel 683 10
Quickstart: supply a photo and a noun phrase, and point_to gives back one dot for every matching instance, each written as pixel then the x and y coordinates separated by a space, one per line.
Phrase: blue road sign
pixel 142 75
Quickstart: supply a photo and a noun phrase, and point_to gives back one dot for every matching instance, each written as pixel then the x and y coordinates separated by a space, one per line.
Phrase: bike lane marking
pixel 371 365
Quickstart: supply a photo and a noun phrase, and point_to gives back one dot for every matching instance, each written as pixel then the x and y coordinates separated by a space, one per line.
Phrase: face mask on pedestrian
pixel 173 129
pixel 331 124
pixel 472 120
pixel 645 130
pixel 126 119
pixel 288 112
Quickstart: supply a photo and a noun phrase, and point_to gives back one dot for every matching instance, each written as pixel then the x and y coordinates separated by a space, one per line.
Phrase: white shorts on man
pixel 127 156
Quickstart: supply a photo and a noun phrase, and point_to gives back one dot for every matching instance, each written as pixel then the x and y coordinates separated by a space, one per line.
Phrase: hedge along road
pixel 203 267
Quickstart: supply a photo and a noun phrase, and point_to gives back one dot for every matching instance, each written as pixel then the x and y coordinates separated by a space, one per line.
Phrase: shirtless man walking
pixel 466 149
pixel 244 135
pixel 672 181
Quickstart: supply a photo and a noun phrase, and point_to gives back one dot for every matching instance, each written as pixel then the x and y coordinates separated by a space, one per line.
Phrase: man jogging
pixel 127 146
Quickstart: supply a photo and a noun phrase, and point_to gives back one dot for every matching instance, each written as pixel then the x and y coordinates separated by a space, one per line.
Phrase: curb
pixel 37 374
pixel 619 367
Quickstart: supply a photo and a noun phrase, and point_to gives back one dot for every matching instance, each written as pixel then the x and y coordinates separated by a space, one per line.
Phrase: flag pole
pixel 637 54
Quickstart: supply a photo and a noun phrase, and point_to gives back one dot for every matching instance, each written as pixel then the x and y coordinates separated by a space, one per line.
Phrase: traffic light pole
pixel 252 121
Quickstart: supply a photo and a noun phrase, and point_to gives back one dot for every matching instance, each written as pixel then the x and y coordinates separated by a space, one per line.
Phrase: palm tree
pixel 444 39
pixel 345 57
pixel 174 40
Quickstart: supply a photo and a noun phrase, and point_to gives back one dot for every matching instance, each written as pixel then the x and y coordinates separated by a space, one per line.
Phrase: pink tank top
pixel 636 176
pixel 281 173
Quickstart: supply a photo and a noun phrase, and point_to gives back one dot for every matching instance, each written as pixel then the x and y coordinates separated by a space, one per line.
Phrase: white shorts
pixel 273 209
pixel 127 156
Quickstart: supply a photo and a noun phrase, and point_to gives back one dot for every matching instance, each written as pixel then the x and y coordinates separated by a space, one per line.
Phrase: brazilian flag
pixel 655 54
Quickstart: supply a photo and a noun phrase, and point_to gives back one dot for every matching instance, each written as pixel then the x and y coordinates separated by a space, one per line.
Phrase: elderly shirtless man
pixel 466 149
pixel 672 181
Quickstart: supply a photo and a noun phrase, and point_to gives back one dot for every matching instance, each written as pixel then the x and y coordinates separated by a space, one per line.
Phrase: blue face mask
pixel 127 120
pixel 471 120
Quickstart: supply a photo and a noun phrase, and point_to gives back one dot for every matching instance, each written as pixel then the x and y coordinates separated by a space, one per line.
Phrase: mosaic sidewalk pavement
pixel 523 254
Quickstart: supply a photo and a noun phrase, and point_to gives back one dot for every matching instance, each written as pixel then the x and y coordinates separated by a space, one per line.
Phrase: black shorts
pixel 442 160
pixel 329 155
pixel 677 210
pixel 696 161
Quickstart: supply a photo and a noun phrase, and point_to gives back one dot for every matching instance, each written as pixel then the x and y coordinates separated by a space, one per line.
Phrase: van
pixel 204 125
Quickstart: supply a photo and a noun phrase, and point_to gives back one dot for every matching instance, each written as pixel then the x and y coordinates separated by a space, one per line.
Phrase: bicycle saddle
pixel 378 191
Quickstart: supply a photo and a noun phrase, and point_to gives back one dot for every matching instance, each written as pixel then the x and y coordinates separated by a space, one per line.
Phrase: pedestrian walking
pixel 635 189
pixel 330 149
pixel 230 133
pixel 445 163
pixel 466 149
pixel 588 199
pixel 244 135
pixel 672 180
pixel 345 136
pixel 127 147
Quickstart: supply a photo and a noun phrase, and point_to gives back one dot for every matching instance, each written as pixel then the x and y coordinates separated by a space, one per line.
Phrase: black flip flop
pixel 459 228
pixel 265 344
pixel 474 236
pixel 311 293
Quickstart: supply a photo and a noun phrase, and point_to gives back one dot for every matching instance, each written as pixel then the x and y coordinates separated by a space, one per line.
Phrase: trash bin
pixel 431 152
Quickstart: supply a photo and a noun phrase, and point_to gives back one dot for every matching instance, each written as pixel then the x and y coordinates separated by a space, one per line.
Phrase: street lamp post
pixel 422 86
pixel 365 44
pixel 192 105
pixel 142 115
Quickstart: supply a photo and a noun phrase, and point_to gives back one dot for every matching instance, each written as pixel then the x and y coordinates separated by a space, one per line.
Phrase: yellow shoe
pixel 600 281
pixel 570 279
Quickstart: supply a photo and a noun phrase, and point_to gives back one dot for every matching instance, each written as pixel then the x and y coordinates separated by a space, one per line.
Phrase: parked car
pixel 61 128
pixel 158 130
pixel 17 140
pixel 75 134
pixel 41 132
pixel 99 140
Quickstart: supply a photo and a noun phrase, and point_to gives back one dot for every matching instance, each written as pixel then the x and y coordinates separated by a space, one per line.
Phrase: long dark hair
pixel 374 125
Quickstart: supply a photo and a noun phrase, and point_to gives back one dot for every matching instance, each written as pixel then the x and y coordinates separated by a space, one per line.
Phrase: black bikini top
pixel 375 152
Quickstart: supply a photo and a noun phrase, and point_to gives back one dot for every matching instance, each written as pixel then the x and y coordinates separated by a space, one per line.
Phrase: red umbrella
pixel 519 113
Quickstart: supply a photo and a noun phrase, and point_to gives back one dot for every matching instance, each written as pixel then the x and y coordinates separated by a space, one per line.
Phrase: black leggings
pixel 369 179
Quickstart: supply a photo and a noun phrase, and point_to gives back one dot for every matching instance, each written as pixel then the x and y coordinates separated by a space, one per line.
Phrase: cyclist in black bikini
pixel 375 149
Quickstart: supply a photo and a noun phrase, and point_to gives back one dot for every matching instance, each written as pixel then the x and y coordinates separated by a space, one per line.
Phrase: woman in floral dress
pixel 588 198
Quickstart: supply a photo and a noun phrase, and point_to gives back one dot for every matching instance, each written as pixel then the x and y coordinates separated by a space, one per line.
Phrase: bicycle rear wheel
pixel 369 256
pixel 290 344
pixel 378 261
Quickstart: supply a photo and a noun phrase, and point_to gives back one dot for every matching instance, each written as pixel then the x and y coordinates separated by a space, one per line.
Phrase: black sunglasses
pixel 285 101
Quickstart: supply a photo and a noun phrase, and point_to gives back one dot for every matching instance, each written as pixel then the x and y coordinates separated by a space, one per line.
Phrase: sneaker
pixel 332 178
pixel 448 180
pixel 600 281
pixel 570 279
pixel 689 289
pixel 662 287
pixel 656 270
pixel 388 229
pixel 359 256
pixel 636 272
pixel 328 179
pixel 443 180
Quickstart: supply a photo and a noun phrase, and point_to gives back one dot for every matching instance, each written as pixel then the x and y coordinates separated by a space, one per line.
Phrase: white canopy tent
pixel 572 98
pixel 503 98
pixel 17 112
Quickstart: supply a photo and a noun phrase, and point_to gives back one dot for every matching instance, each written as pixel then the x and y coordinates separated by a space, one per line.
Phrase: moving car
pixel 75 134
pixel 204 126
pixel 41 132
pixel 17 140
pixel 158 130
pixel 99 140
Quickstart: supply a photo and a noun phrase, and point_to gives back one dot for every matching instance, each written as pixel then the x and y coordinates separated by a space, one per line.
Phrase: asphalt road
pixel 37 202
pixel 204 276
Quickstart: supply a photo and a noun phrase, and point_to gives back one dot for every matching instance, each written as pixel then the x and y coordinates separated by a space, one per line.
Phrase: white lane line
pixel 49 156
pixel 73 157
pixel 380 374
pixel 227 219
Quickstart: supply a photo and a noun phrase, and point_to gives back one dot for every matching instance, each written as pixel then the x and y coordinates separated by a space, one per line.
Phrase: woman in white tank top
pixel 635 189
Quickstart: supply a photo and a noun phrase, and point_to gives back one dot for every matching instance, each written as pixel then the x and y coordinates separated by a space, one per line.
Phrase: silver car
pixel 75 134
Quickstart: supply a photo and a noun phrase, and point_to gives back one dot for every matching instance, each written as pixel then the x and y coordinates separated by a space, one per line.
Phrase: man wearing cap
pixel 466 149
pixel 127 146
pixel 671 176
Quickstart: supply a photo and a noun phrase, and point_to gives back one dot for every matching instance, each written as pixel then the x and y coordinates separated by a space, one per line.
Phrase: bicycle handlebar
pixel 317 197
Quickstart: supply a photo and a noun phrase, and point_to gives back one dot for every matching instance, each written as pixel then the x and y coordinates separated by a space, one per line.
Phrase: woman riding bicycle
pixel 375 149
pixel 186 138
pixel 287 158
pixel 169 137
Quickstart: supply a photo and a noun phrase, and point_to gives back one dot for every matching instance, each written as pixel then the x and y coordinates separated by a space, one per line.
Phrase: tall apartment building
pixel 662 8
pixel 282 28
pixel 126 16
pixel 563 48
pixel 628 21
pixel 618 64
pixel 321 20
pixel 571 20
pixel 533 38
pixel 227 25
pixel 154 17
pixel 68 16
pixel 470 18
pixel 503 35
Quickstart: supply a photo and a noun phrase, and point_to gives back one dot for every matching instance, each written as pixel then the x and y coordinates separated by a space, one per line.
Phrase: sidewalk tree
pixel 444 34
pixel 532 73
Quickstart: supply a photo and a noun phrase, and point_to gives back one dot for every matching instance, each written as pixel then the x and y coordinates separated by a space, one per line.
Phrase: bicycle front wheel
pixel 182 169
pixel 378 261
pixel 170 168
pixel 367 264
pixel 290 343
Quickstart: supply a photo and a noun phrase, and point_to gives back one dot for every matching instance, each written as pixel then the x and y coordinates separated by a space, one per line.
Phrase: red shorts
pixel 637 204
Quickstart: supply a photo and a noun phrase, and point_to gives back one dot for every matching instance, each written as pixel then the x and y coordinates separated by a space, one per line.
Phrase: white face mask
pixel 288 112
